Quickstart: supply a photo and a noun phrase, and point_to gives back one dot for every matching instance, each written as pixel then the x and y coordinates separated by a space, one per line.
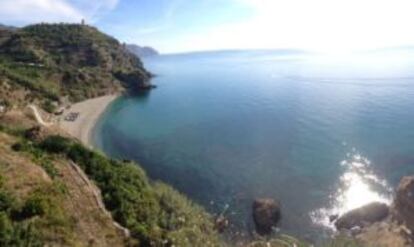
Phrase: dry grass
pixel 87 224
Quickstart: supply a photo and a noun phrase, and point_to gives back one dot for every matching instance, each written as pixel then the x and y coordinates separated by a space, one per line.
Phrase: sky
pixel 173 26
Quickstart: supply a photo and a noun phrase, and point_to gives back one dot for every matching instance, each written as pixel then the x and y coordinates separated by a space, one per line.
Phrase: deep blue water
pixel 323 134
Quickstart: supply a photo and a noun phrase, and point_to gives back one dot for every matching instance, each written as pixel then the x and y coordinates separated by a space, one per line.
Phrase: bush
pixel 15 230
pixel 35 206
pixel 6 229
pixel 17 147
pixel 153 213
pixel 49 106
pixel 50 169
pixel 18 234
pixel 56 144
pixel 6 201
pixel 22 146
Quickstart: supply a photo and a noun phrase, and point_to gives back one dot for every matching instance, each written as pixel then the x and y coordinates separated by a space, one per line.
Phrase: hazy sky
pixel 187 25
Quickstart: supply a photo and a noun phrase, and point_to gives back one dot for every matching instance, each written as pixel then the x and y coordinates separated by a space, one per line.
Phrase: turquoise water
pixel 323 134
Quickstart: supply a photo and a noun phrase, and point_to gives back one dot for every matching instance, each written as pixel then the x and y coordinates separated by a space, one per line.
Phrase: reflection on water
pixel 261 124
pixel 357 187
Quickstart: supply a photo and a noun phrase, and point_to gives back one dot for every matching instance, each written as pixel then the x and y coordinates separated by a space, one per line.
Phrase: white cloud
pixel 21 12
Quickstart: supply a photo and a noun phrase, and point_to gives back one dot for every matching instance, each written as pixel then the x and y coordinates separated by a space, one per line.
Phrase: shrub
pixel 55 144
pixel 17 147
pixel 6 229
pixel 50 169
pixel 18 234
pixel 15 230
pixel 49 106
pixel 153 213
pixel 6 201
pixel 36 205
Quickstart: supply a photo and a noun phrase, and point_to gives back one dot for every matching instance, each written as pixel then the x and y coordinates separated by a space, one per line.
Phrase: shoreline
pixel 89 113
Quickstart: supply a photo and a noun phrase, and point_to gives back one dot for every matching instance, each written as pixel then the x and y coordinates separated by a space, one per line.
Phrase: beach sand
pixel 89 113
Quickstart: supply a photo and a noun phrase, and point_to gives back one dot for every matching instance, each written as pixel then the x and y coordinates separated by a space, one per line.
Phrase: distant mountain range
pixel 142 51
pixel 7 27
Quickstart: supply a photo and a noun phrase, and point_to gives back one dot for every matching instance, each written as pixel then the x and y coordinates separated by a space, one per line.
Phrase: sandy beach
pixel 89 112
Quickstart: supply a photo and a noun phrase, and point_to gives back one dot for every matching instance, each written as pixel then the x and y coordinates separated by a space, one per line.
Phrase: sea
pixel 320 133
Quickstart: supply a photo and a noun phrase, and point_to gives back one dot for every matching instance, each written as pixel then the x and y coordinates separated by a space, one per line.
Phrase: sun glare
pixel 358 186
pixel 331 26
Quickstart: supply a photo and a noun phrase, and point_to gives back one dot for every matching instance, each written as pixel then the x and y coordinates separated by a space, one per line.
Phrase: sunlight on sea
pixel 358 186
pixel 233 126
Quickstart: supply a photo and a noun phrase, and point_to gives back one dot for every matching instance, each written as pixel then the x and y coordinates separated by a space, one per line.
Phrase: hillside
pixel 43 201
pixel 11 28
pixel 51 63
pixel 46 197
pixel 54 191
pixel 142 51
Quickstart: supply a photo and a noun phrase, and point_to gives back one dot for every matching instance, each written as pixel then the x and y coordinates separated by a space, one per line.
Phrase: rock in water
pixel 362 216
pixel 266 214
pixel 404 202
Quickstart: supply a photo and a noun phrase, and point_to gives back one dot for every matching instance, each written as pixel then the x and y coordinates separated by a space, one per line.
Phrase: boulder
pixel 360 217
pixel 266 214
pixel 404 202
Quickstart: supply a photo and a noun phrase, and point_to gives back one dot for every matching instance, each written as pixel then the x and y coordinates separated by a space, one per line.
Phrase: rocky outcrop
pixel 387 233
pixel 404 202
pixel 393 231
pixel 266 215
pixel 363 216
pixel 135 80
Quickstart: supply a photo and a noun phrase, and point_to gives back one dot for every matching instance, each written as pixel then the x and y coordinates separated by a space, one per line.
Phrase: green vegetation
pixel 156 214
pixel 32 222
pixel 38 156
pixel 17 234
pixel 12 130
pixel 18 78
pixel 45 62
pixel 49 106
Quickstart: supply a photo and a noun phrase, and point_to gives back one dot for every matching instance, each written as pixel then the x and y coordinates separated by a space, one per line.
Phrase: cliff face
pixel 50 61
